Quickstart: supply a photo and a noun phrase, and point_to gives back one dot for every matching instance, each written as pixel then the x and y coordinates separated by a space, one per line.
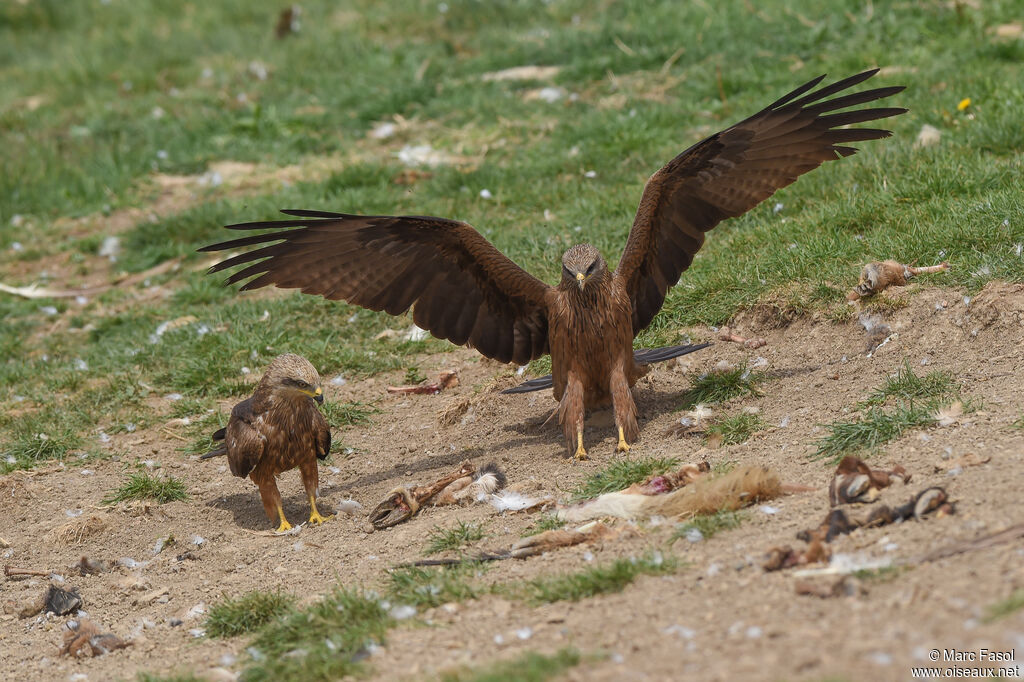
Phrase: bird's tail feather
pixel 222 450
pixel 642 356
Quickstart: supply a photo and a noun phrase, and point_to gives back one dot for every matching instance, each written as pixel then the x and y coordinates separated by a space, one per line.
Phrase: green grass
pixel 544 523
pixel 144 486
pixel 413 376
pixel 238 615
pixel 1019 424
pixel 528 667
pixel 880 575
pixel 718 386
pixel 325 641
pixel 429 586
pixel 348 414
pixel 1002 609
pixel 710 524
pixel 622 474
pixel 736 429
pixel 87 121
pixel 907 386
pixel 917 399
pixel 603 579
pixel 447 539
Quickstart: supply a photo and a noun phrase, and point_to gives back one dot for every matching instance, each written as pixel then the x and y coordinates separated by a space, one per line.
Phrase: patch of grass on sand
pixel 424 587
pixel 1002 609
pixel 324 641
pixel 348 414
pixel 461 535
pixel 144 486
pixel 544 523
pixel 239 615
pixel 622 474
pixel 883 574
pixel 39 437
pixel 907 386
pixel 1019 424
pixel 603 579
pixel 735 429
pixel 528 667
pixel 918 399
pixel 710 524
pixel 718 386
pixel 871 430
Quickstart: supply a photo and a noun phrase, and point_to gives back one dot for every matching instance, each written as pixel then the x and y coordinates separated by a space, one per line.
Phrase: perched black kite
pixel 277 429
pixel 468 292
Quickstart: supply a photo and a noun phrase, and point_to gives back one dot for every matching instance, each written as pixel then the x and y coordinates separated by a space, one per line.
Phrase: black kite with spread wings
pixel 463 289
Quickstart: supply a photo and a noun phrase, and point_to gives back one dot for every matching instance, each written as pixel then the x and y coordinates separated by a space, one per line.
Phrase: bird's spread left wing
pixel 463 288
pixel 730 172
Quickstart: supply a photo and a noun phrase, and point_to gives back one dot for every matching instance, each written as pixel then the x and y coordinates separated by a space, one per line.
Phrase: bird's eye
pixel 590 270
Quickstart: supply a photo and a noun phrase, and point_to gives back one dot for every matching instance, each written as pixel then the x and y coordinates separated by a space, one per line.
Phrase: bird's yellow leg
pixel 284 522
pixel 581 454
pixel 314 514
pixel 623 446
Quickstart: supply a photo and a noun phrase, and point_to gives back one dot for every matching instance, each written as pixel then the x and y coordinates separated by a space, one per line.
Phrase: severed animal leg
pixel 726 334
pixel 311 481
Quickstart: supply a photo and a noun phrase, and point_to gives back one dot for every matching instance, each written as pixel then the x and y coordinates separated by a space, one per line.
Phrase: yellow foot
pixel 284 522
pixel 581 453
pixel 315 519
pixel 623 446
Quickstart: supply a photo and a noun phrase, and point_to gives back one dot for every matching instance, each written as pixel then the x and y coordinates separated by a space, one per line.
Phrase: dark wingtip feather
pixel 311 213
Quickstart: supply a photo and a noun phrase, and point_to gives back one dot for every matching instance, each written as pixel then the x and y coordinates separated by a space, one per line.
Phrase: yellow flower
pixel 964 103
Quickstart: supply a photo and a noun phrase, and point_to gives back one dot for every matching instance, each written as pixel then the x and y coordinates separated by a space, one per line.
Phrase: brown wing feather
pixel 322 436
pixel 245 444
pixel 463 288
pixel 731 172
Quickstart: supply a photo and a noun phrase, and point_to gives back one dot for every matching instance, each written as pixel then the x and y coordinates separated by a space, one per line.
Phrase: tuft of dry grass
pixel 74 532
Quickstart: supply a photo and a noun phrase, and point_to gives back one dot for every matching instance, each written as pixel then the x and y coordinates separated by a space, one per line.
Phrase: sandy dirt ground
pixel 721 617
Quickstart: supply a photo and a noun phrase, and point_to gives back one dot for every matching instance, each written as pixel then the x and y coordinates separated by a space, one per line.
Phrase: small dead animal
pixel 83 637
pixel 856 482
pixel 879 276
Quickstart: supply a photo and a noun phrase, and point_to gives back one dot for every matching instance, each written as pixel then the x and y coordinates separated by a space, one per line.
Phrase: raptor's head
pixel 582 264
pixel 293 376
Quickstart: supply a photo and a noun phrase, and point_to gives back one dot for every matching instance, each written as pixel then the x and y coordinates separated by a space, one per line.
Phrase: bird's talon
pixel 316 519
pixel 623 446
pixel 581 453
pixel 284 527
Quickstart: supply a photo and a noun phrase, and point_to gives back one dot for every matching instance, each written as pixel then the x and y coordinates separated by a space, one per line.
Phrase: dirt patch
pixel 720 618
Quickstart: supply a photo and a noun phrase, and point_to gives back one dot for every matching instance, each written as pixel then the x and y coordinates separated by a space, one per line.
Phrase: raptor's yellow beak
pixel 581 278
pixel 318 395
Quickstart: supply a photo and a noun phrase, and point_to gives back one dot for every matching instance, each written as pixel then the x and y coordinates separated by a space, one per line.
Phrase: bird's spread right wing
pixel 462 288
pixel 729 173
